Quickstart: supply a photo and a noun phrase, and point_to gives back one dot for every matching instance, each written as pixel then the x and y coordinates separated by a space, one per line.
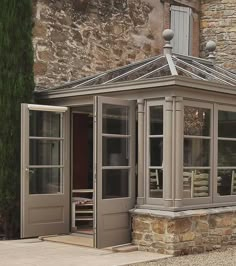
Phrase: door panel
pixel 45 181
pixel 115 170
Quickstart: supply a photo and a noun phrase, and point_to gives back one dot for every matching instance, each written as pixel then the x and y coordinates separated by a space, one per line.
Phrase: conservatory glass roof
pixel 160 66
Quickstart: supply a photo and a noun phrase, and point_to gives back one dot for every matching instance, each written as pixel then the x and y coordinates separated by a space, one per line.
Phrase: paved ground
pixel 223 257
pixel 34 252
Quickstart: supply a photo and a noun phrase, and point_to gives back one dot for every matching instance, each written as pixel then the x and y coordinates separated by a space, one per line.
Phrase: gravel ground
pixel 225 257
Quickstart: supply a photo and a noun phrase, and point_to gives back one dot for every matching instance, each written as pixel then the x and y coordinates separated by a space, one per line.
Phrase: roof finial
pixel 211 47
pixel 168 35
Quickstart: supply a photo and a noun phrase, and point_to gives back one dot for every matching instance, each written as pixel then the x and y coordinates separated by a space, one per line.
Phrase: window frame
pixel 209 199
pixel 218 198
pixel 150 103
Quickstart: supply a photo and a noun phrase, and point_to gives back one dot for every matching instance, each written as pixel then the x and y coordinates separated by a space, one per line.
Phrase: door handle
pixel 29 170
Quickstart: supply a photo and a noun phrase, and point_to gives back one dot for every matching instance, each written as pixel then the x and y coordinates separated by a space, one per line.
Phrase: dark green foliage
pixel 16 85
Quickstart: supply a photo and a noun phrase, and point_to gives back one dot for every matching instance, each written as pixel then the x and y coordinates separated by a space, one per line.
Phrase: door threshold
pixel 70 239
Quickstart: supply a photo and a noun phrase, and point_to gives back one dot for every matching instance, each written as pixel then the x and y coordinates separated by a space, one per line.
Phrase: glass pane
pixel 156 120
pixel 45 124
pixel 45 181
pixel 156 183
pixel 226 153
pixel 156 151
pixel 45 152
pixel 196 121
pixel 226 182
pixel 115 183
pixel 196 183
pixel 227 124
pixel 115 151
pixel 115 119
pixel 196 152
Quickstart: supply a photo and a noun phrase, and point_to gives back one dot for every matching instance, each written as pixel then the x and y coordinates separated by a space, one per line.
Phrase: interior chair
pixel 200 185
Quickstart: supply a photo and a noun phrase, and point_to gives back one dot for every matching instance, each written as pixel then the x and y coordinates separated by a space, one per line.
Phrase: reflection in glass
pixel 115 119
pixel 156 120
pixel 156 151
pixel 196 121
pixel 226 182
pixel 156 183
pixel 196 152
pixel 196 183
pixel 115 151
pixel 45 181
pixel 115 183
pixel 226 153
pixel 227 124
pixel 45 124
pixel 44 152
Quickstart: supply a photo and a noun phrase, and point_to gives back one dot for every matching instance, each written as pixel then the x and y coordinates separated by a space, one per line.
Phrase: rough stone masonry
pixel 218 23
pixel 75 38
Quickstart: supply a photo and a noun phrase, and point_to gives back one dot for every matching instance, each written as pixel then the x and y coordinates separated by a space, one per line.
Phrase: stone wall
pixel 187 233
pixel 218 23
pixel 76 38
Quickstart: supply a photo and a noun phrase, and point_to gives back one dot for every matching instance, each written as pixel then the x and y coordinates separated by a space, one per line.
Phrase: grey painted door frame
pixel 112 214
pixel 44 213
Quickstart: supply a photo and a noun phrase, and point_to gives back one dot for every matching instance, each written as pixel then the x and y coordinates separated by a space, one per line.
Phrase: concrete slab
pixel 71 239
pixel 34 252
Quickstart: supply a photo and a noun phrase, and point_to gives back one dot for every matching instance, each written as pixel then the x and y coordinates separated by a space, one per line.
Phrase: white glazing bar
pixel 133 70
pixel 46 138
pixel 45 166
pixel 226 167
pixel 190 73
pixel 92 79
pixel 152 72
pixel 115 135
pixel 228 139
pixel 226 71
pixel 197 167
pixel 196 137
pixel 115 167
pixel 155 136
pixel 203 71
pixel 214 71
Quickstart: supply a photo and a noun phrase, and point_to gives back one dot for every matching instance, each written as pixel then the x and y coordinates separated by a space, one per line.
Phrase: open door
pixel 45 182
pixel 115 170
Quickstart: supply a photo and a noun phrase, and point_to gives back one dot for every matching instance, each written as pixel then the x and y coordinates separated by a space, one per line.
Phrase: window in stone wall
pixel 197 152
pixel 182 25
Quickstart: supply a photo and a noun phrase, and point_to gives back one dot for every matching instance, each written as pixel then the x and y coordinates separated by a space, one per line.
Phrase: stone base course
pixel 185 232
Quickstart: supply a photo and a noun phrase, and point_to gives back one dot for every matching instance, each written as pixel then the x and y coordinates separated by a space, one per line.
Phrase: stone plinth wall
pixel 186 233
pixel 218 23
pixel 77 38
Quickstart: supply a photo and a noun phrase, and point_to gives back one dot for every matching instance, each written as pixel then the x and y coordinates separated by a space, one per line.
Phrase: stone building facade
pixel 218 23
pixel 77 38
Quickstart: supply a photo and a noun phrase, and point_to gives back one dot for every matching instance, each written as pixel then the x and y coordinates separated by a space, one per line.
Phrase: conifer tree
pixel 16 85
